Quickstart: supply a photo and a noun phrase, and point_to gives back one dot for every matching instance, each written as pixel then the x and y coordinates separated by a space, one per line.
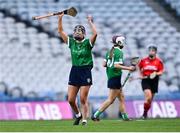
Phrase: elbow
pixel 95 33
pixel 60 30
pixel 116 65
pixel 60 34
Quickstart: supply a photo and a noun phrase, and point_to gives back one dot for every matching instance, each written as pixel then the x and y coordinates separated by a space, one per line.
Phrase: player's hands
pixel 153 75
pixel 90 18
pixel 141 77
pixel 61 15
pixel 132 68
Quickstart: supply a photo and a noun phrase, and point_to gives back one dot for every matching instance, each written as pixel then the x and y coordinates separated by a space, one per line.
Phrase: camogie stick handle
pixel 126 79
pixel 134 62
pixel 71 12
pixel 138 78
pixel 43 16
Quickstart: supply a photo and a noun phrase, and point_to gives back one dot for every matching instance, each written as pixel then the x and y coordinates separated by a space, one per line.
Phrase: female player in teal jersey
pixel 114 66
pixel 80 77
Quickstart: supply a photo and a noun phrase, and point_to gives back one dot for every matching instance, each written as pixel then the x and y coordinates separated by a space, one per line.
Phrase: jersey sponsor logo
pixel 146 62
pixel 150 67
pixel 79 51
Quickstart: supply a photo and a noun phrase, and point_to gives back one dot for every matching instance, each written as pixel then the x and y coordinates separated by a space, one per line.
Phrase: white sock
pixel 78 115
pixel 84 121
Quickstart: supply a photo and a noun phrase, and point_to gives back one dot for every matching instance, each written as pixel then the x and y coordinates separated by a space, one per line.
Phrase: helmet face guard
pixel 118 41
pixel 79 32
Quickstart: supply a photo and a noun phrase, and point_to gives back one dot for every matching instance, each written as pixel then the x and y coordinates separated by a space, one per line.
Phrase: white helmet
pixel 118 40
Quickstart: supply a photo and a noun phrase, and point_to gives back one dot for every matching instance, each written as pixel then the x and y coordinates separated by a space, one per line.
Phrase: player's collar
pixel 80 41
pixel 152 59
pixel 118 48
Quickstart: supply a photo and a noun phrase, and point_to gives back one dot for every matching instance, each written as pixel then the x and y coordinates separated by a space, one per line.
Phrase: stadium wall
pixel 35 111
pixel 62 110
pixel 159 109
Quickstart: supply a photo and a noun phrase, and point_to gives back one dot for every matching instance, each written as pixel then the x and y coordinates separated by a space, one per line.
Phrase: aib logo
pixel 160 109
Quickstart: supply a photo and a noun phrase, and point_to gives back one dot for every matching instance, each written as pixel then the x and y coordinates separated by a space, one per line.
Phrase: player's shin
pixel 146 109
pixel 85 111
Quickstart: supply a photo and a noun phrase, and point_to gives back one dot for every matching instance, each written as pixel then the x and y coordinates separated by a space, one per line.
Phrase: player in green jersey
pixel 80 77
pixel 114 66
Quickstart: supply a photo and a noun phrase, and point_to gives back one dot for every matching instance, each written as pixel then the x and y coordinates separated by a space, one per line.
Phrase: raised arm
pixel 93 28
pixel 60 29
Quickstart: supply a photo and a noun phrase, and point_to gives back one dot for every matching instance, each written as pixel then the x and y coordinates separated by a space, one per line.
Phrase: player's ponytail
pixel 111 53
pixel 118 41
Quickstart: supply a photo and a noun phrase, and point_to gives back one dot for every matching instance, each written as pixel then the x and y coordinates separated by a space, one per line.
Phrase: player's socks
pixel 146 108
pixel 145 114
pixel 78 115
pixel 97 114
pixel 120 114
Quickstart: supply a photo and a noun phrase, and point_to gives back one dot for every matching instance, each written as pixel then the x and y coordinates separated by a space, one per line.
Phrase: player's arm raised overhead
pixel 60 29
pixel 93 27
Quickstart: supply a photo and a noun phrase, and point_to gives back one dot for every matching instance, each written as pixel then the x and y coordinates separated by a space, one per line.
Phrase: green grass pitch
pixel 167 125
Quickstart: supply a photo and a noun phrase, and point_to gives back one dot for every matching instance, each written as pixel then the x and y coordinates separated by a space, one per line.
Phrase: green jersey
pixel 81 52
pixel 116 59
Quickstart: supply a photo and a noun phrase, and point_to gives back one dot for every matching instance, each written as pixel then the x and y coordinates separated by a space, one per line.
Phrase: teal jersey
pixel 81 52
pixel 117 58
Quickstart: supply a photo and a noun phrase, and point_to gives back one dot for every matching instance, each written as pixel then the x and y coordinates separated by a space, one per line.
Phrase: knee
pixel 122 98
pixel 110 101
pixel 149 100
pixel 83 100
pixel 71 101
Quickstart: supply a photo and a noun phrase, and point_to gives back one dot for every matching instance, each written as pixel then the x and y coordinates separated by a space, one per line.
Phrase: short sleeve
pixel 140 64
pixel 160 66
pixel 70 41
pixel 118 59
pixel 89 44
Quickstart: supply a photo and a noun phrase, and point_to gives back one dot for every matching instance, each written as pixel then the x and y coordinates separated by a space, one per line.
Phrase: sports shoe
pixel 77 120
pixel 95 118
pixel 125 117
pixel 143 117
pixel 84 122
